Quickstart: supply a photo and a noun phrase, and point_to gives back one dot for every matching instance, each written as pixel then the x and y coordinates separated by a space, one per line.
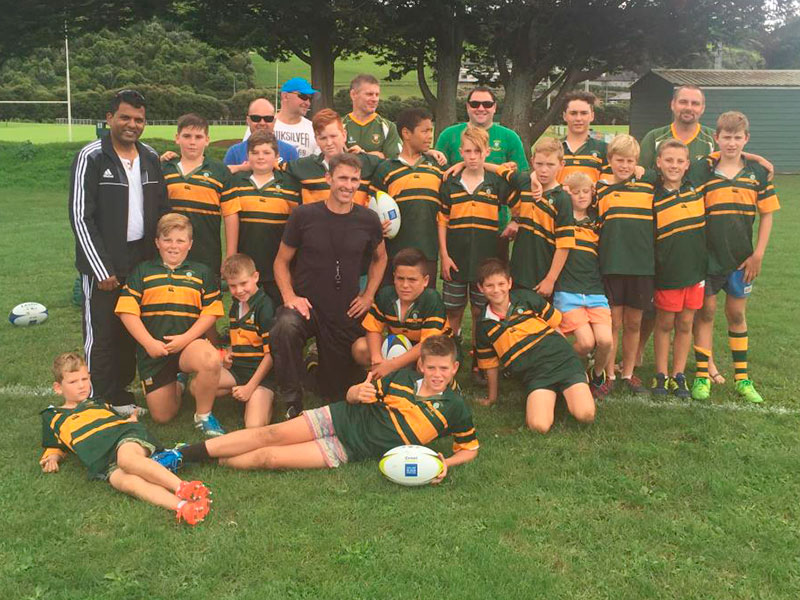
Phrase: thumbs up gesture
pixel 364 392
pixel 537 191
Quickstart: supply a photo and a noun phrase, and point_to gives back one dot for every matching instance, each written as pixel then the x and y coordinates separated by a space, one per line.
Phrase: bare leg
pixel 163 403
pixel 632 321
pixel 360 352
pixel 584 341
pixel 306 455
pixel 617 313
pixel 704 326
pixel 540 410
pixel 133 485
pixel 202 358
pixel 133 459
pixel 258 410
pixel 603 342
pixel 476 316
pixel 646 329
pixel 294 431
pixel 454 317
pixel 226 383
pixel 580 402
pixel 665 322
pixel 683 340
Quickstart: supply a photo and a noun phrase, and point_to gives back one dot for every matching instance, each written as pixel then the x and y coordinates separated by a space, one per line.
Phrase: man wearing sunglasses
pixel 291 124
pixel 117 195
pixel 260 117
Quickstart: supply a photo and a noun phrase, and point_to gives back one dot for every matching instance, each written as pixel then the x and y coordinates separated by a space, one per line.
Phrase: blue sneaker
pixel 170 459
pixel 182 379
pixel 209 425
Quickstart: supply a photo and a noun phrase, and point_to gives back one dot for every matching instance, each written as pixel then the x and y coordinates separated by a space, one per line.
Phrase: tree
pixel 782 46
pixel 318 33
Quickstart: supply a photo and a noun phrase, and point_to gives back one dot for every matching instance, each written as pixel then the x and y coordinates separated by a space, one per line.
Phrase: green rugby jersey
pixel 731 207
pixel 681 256
pixel 701 144
pixel 263 214
pixel 507 342
pixel 306 176
pixel 504 145
pixel 168 301
pixel 425 317
pixel 376 134
pixel 590 158
pixel 415 188
pixel 250 331
pixel 400 416
pixel 91 430
pixel 581 272
pixel 471 219
pixel 544 225
pixel 198 195
pixel 625 210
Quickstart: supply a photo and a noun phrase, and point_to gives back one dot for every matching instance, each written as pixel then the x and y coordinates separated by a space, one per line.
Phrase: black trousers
pixel 109 348
pixel 336 372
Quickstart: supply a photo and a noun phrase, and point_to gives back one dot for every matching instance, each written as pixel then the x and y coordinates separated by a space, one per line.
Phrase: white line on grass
pixel 26 390
pixel 691 405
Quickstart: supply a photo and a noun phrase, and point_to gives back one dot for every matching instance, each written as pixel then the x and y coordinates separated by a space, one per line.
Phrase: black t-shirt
pixel 323 238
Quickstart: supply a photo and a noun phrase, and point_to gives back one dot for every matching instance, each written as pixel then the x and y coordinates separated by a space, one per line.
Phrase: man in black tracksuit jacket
pixel 117 195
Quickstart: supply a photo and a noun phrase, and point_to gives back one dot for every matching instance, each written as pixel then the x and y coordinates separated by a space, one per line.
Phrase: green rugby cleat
pixel 701 388
pixel 746 389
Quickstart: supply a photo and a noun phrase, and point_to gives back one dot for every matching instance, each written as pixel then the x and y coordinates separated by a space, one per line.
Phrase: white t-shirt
pixel 300 135
pixel 135 199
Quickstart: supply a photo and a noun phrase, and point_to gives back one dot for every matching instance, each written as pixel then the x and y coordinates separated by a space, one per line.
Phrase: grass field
pixel 656 500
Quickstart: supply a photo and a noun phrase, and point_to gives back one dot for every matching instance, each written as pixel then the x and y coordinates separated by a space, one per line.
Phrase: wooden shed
pixel 770 99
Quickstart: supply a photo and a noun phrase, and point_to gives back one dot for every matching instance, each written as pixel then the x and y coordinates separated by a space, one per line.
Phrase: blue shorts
pixel 567 301
pixel 733 283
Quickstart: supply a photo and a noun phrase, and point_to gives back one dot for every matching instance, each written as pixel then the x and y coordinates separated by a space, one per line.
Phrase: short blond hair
pixel 671 143
pixel 171 221
pixel 66 362
pixel 549 145
pixel 477 135
pixel 578 180
pixel 625 145
pixel 237 265
pixel 733 121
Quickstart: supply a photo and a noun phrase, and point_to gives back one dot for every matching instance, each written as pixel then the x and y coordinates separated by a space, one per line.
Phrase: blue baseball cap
pixel 298 84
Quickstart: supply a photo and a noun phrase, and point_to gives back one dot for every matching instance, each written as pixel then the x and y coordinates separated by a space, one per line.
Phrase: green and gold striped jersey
pixel 168 301
pixel 376 134
pixel 731 207
pixel 425 317
pixel 263 213
pixel 471 219
pixel 399 415
pixel 590 158
pixel 508 341
pixel 625 210
pixel 91 430
pixel 581 272
pixel 701 144
pixel 544 225
pixel 415 188
pixel 307 177
pixel 198 195
pixel 680 221
pixel 250 331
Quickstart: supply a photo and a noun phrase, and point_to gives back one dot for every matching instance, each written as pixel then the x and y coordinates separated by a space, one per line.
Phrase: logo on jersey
pixel 206 174
pixel 488 190
pixel 496 145
pixel 376 138
pixel 107 174
pixel 189 273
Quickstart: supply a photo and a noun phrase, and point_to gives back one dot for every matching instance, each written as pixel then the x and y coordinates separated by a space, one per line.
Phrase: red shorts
pixel 681 299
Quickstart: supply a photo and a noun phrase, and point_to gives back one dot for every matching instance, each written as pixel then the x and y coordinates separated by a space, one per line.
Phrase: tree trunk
pixel 449 50
pixel 322 71
pixel 518 101
pixel 572 76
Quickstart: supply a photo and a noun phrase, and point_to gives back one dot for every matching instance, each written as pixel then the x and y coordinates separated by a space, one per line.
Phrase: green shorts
pixel 553 365
pixel 108 464
pixel 243 376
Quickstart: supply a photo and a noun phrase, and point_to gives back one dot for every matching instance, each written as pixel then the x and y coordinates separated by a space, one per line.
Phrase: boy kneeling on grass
pixel 167 305
pixel 251 317
pixel 404 408
pixel 113 448
pixel 518 332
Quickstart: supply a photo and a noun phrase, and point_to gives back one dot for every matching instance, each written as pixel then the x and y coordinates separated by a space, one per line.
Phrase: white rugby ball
pixel 28 313
pixel 394 346
pixel 411 465
pixel 386 208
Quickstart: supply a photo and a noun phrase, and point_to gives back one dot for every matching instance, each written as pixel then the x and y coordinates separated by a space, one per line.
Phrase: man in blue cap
pixel 291 124
pixel 260 116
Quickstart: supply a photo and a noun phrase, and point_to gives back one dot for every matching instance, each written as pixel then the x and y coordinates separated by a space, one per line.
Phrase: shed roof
pixel 730 78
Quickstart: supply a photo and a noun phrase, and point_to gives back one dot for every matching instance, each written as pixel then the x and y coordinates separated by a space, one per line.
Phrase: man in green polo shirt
pixel 366 129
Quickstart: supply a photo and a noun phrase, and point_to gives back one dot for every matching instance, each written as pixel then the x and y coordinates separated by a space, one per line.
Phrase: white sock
pixel 201 416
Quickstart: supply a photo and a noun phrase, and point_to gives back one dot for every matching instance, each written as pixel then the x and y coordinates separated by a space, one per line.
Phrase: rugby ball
pixel 411 465
pixel 394 346
pixel 386 208
pixel 27 313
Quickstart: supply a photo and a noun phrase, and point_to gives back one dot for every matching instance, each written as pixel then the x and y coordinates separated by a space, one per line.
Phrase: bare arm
pixel 448 264
pixel 752 265
pixel 546 285
pixel 458 457
pixel 153 347
pixel 231 234
pixel 492 381
pixel 243 392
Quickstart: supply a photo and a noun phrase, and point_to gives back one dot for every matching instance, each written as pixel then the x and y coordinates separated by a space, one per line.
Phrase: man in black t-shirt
pixel 317 270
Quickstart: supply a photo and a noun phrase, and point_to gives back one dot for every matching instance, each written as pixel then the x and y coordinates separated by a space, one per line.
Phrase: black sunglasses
pixel 259 118
pixel 479 103
pixel 303 97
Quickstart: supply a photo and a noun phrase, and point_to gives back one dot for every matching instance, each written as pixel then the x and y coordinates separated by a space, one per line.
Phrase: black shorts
pixel 242 377
pixel 633 291
pixel 168 374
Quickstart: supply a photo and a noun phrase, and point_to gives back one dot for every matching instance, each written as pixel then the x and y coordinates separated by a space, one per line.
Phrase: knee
pixel 162 416
pixel 288 322
pixel 360 352
pixel 539 424
pixel 583 347
pixel 266 459
pixel 584 413
pixel 632 322
pixel 683 326
pixel 210 360
pixel 735 317
pixel 706 313
pixel 603 343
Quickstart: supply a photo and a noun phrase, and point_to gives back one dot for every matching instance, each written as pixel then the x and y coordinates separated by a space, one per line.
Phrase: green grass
pixel 45 133
pixel 345 71
pixel 675 501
